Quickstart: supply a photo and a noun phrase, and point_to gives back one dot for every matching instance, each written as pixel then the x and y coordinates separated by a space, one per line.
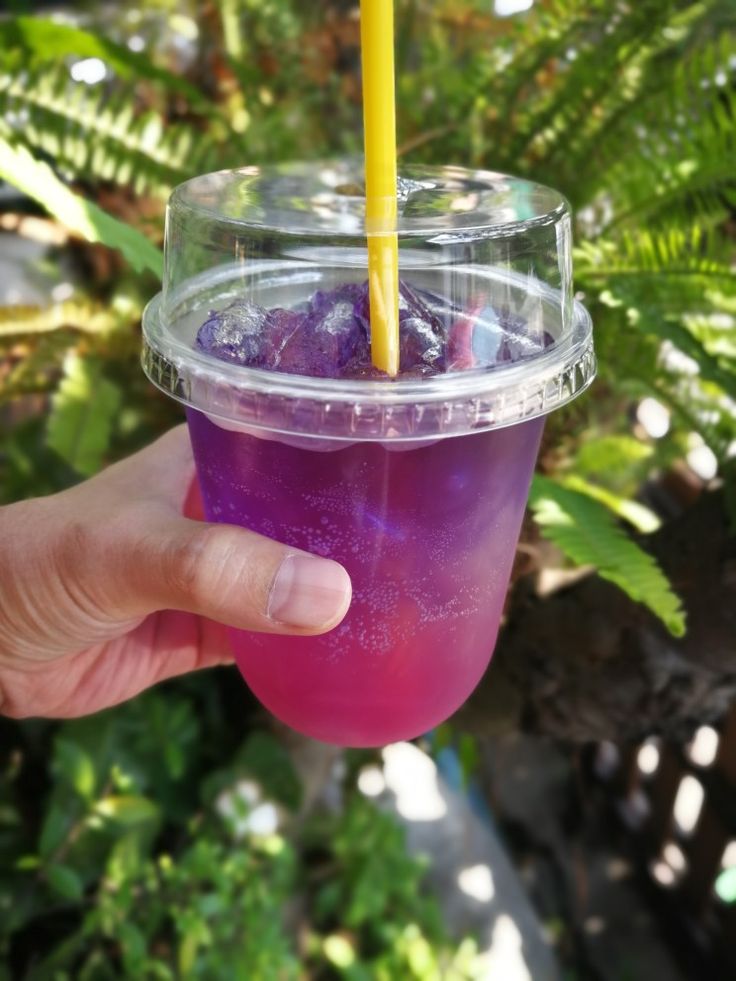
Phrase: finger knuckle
pixel 74 543
pixel 197 568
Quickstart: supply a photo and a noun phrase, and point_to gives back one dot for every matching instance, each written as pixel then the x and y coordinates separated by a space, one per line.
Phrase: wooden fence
pixel 677 805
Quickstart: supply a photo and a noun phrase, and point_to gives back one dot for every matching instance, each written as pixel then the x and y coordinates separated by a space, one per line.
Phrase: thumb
pixel 234 576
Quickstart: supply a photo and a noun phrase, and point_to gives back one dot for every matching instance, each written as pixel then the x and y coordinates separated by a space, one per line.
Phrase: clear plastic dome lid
pixel 486 256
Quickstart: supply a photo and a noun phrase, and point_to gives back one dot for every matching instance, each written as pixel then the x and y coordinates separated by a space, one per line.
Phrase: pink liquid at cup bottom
pixel 428 536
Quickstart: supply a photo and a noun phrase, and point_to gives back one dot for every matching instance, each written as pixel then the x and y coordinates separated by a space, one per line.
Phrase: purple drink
pixel 428 537
pixel 417 485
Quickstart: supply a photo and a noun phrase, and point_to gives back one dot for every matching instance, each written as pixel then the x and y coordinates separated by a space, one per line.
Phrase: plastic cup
pixel 416 485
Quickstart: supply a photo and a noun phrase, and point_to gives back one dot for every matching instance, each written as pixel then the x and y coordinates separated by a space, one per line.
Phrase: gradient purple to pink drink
pixel 417 484
pixel 428 535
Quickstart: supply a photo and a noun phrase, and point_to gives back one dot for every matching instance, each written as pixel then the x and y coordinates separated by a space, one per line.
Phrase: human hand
pixel 106 588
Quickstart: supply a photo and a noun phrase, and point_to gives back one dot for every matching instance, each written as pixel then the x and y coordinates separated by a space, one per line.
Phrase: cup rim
pixel 459 402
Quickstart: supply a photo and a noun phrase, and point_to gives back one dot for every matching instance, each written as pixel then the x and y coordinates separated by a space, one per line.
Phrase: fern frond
pixel 679 163
pixel 41 41
pixel 698 407
pixel 660 283
pixel 38 181
pixel 716 332
pixel 642 518
pixel 638 367
pixel 604 46
pixel 89 133
pixel 680 252
pixel 587 533
pixel 656 85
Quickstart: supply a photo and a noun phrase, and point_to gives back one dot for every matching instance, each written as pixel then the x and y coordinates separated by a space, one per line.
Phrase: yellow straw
pixel 379 120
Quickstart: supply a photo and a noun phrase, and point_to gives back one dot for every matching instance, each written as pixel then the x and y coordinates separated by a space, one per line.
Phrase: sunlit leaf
pixel 82 414
pixel 638 515
pixel 16 321
pixel 586 532
pixel 38 181
pixel 127 809
pixel 76 765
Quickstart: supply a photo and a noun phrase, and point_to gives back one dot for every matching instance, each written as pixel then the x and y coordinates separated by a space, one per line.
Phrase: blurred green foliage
pixel 157 840
pixel 116 859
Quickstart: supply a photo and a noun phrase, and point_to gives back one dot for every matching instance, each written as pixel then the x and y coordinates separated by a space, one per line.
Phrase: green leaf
pixel 28 862
pixel 55 827
pixel 83 412
pixel 127 809
pixel 76 765
pixel 586 532
pixel 469 756
pixel 38 181
pixel 641 517
pixel 133 943
pixel 232 30
pixel 599 456
pixel 44 40
pixel 187 954
pixel 65 881
pixel 125 859
pixel 265 758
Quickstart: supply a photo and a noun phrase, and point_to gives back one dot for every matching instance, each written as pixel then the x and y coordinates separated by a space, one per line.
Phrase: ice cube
pixel 518 342
pixel 328 336
pixel 235 333
pixel 421 332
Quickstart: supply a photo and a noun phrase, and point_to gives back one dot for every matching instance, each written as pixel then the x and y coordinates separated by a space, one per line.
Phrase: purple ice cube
pixel 281 325
pixel 421 332
pixel 247 334
pixel 520 341
pixel 440 306
pixel 235 333
pixel 328 336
